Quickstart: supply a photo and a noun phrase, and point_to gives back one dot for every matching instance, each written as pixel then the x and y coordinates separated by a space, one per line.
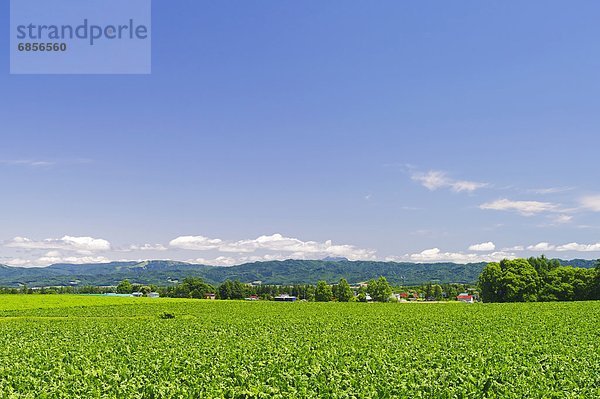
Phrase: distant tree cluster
pixel 378 290
pixel 538 279
pixel 43 290
pixel 342 291
pixel 436 292
pixel 233 290
pixel 191 287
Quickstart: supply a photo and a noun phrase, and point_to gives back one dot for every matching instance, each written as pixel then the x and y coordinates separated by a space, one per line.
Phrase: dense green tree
pixel 380 290
pixel 558 285
pixel 452 290
pixel 309 293
pixel 238 290
pixel 437 292
pixel 191 287
pixel 595 284
pixel 582 283
pixel 540 279
pixel 323 292
pixel 568 284
pixel 125 287
pixel 428 290
pixel 510 281
pixel 490 283
pixel 520 281
pixel 343 291
pixel 225 290
pixel 362 294
pixel 543 266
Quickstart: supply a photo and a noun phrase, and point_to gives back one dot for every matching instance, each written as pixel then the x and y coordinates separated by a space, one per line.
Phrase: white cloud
pixel 411 208
pixel 573 246
pixel 232 261
pixel 436 255
pixel 279 243
pixel 147 247
pixel 26 162
pixel 245 246
pixel 562 219
pixel 434 180
pixel 53 257
pixel 551 190
pixel 81 245
pixel 40 163
pixel 525 208
pixel 18 262
pixel 219 261
pixel 483 247
pixel 591 202
pixel 265 247
pixel 548 247
pixel 515 248
pixel 463 185
pixel 269 257
pixel 542 246
pixel 274 243
pixel 56 257
pixel 196 243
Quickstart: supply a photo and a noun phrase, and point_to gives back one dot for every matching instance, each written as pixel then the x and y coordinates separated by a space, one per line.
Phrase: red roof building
pixel 464 297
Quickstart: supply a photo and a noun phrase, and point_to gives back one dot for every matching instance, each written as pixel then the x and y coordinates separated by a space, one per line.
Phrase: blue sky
pixel 417 131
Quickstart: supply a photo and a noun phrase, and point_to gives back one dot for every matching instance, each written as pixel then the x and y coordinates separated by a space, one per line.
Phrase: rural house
pixel 464 297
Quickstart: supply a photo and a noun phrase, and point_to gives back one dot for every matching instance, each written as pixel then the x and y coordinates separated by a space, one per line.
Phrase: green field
pixel 96 347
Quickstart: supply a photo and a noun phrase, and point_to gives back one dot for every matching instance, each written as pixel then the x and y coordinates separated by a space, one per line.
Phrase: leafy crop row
pixel 120 348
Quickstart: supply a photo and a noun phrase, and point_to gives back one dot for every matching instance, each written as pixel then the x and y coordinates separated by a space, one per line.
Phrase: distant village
pixel 378 290
pixel 372 291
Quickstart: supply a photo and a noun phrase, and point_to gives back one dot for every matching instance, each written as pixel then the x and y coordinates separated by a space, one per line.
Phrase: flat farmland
pixel 61 346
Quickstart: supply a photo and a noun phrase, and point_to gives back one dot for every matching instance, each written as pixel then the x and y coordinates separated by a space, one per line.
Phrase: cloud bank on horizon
pixel 70 249
pixel 27 252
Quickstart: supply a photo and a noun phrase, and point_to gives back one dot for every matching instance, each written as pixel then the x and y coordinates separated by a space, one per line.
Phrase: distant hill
pixel 291 271
pixel 334 258
pixel 585 263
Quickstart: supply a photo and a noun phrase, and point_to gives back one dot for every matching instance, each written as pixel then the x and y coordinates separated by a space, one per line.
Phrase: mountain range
pixel 162 272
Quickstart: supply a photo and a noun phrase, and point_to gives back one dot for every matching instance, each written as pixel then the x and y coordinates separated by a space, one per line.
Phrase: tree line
pixel 538 279
pixel 378 290
pixel 194 287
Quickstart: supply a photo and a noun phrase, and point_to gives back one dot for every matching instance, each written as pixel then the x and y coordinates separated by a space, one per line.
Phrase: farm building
pixel 464 297
pixel 153 295
pixel 137 294
pixel 210 296
pixel 403 296
pixel 285 298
